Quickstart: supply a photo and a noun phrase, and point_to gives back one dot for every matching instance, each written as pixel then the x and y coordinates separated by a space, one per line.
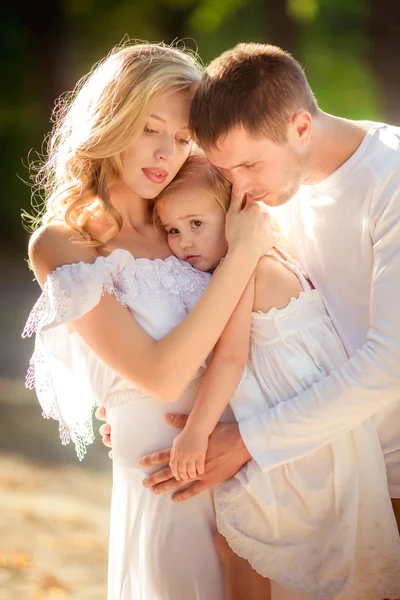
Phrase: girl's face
pixel 157 154
pixel 195 226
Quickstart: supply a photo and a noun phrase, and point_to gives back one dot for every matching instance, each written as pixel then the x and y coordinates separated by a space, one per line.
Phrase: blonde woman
pixel 118 141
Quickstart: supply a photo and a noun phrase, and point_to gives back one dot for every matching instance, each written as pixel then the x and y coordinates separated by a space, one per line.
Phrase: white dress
pixel 159 550
pixel 323 524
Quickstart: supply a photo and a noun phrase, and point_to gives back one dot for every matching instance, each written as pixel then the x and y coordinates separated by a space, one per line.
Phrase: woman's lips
pixel 156 175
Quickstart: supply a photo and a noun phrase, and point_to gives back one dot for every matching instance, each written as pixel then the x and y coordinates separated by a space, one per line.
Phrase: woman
pixel 118 142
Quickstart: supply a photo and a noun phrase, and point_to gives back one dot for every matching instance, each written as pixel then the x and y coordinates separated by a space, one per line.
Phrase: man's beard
pixel 294 174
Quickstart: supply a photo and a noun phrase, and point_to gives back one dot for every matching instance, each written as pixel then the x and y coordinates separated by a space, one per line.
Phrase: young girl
pixel 315 525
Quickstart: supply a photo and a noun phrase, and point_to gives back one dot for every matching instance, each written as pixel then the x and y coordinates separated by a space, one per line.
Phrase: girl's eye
pixel 172 231
pixel 196 224
pixel 148 130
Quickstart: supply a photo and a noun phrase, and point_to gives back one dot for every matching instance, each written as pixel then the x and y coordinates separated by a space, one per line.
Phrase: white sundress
pixel 322 525
pixel 159 550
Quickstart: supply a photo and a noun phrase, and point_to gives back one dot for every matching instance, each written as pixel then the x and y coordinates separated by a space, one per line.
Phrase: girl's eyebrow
pixel 183 218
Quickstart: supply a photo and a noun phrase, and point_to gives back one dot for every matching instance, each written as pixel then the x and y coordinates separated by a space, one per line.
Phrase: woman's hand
pixel 249 228
pixel 188 455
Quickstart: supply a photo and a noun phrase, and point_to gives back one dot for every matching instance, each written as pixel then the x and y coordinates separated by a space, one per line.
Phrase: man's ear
pixel 301 127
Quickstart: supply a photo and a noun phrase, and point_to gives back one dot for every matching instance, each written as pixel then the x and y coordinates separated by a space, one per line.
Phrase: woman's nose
pixel 166 149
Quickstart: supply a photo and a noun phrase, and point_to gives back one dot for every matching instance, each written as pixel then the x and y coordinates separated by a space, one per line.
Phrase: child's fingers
pixel 200 465
pixel 182 468
pixel 191 469
pixel 235 205
pixel 173 463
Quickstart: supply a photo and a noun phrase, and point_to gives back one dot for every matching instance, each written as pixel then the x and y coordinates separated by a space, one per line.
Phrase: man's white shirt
pixel 346 233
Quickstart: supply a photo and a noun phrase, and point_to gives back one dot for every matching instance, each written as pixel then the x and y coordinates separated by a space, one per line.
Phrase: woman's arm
pixel 163 367
pixel 218 386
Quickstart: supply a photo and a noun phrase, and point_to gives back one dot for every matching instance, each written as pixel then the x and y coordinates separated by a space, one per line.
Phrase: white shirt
pixel 346 232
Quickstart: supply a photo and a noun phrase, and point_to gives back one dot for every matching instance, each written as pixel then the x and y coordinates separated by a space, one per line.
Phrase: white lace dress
pixel 159 550
pixel 322 525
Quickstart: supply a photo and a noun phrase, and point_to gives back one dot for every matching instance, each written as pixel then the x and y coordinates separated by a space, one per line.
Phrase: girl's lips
pixel 156 175
pixel 191 258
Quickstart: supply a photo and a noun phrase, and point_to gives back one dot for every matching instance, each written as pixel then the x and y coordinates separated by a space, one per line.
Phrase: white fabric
pixel 322 525
pixel 346 233
pixel 159 550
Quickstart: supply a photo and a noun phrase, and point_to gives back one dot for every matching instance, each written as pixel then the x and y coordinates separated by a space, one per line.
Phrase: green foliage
pixel 332 37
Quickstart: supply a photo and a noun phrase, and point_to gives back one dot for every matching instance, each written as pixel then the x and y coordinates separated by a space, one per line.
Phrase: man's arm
pixel 367 383
pixel 364 385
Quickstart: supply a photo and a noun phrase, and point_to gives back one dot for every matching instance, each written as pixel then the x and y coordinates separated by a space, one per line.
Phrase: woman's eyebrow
pixel 158 118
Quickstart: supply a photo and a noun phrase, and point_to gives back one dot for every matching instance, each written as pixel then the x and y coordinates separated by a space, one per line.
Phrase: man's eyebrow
pixel 164 121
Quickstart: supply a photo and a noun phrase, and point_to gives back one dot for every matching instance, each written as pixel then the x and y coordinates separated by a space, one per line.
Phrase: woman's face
pixel 157 154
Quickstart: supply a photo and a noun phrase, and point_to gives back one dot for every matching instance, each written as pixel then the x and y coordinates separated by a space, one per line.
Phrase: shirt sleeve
pixel 366 383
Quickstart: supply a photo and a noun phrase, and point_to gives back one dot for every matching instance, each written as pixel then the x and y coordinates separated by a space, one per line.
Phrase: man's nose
pixel 240 185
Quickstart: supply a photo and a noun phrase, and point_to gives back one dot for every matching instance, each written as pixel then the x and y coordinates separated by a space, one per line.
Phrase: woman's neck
pixel 136 212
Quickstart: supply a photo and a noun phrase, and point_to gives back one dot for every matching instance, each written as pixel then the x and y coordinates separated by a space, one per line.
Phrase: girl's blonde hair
pixel 198 172
pixel 96 123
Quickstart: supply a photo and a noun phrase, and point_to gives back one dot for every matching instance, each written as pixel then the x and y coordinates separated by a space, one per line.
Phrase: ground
pixel 54 511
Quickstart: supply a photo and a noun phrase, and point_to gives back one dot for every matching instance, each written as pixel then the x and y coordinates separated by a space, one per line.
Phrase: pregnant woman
pixel 112 323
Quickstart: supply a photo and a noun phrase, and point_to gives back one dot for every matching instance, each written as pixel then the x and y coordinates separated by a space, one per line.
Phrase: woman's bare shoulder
pixel 54 245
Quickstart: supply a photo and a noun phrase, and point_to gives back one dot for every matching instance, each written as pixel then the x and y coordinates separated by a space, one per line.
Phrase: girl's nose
pixel 185 242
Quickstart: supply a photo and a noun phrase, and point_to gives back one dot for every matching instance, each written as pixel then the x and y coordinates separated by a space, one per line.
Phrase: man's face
pixel 260 168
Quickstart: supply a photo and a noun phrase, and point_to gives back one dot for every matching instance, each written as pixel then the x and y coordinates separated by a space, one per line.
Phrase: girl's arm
pixel 163 367
pixel 218 386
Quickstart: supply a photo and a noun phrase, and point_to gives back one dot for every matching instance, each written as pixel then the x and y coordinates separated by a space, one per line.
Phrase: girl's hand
pixel 188 455
pixel 249 228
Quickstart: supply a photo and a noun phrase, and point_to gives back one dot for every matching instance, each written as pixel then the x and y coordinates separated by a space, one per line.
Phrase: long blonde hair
pixel 96 123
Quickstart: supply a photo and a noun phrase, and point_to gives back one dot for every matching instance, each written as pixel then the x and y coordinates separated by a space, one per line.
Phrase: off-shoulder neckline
pixel 122 251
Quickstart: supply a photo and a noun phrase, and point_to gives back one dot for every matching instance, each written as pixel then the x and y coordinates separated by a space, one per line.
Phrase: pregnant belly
pixel 138 423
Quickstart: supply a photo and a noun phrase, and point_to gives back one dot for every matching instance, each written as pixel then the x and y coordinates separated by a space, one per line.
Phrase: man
pixel 257 120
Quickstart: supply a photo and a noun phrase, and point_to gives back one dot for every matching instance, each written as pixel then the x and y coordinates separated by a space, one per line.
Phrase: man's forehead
pixel 232 151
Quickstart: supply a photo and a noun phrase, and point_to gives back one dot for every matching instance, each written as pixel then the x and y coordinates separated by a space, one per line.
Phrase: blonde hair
pixel 198 171
pixel 96 123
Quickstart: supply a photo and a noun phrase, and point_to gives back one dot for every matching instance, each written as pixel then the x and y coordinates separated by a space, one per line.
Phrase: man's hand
pixel 105 430
pixel 226 454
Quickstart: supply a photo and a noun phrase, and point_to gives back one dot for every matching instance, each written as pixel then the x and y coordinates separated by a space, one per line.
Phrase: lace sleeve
pixel 69 379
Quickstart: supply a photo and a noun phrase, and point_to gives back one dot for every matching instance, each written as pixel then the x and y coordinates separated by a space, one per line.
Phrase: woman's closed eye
pixel 180 140
pixel 184 141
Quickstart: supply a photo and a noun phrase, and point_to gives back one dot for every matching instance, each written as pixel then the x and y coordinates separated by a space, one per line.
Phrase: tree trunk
pixel 384 28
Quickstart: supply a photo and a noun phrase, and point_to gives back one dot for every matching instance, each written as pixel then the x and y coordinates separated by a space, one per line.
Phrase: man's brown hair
pixel 257 86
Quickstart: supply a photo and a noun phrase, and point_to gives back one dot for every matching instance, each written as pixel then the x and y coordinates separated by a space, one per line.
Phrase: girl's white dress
pixel 322 525
pixel 159 550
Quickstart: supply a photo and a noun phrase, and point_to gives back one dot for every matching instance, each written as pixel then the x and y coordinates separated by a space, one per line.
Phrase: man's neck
pixel 334 141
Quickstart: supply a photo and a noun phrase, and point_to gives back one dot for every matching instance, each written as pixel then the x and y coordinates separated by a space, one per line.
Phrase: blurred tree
pixel 384 28
pixel 349 50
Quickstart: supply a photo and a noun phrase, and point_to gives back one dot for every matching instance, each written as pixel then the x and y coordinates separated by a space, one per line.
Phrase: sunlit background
pixel 54 512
